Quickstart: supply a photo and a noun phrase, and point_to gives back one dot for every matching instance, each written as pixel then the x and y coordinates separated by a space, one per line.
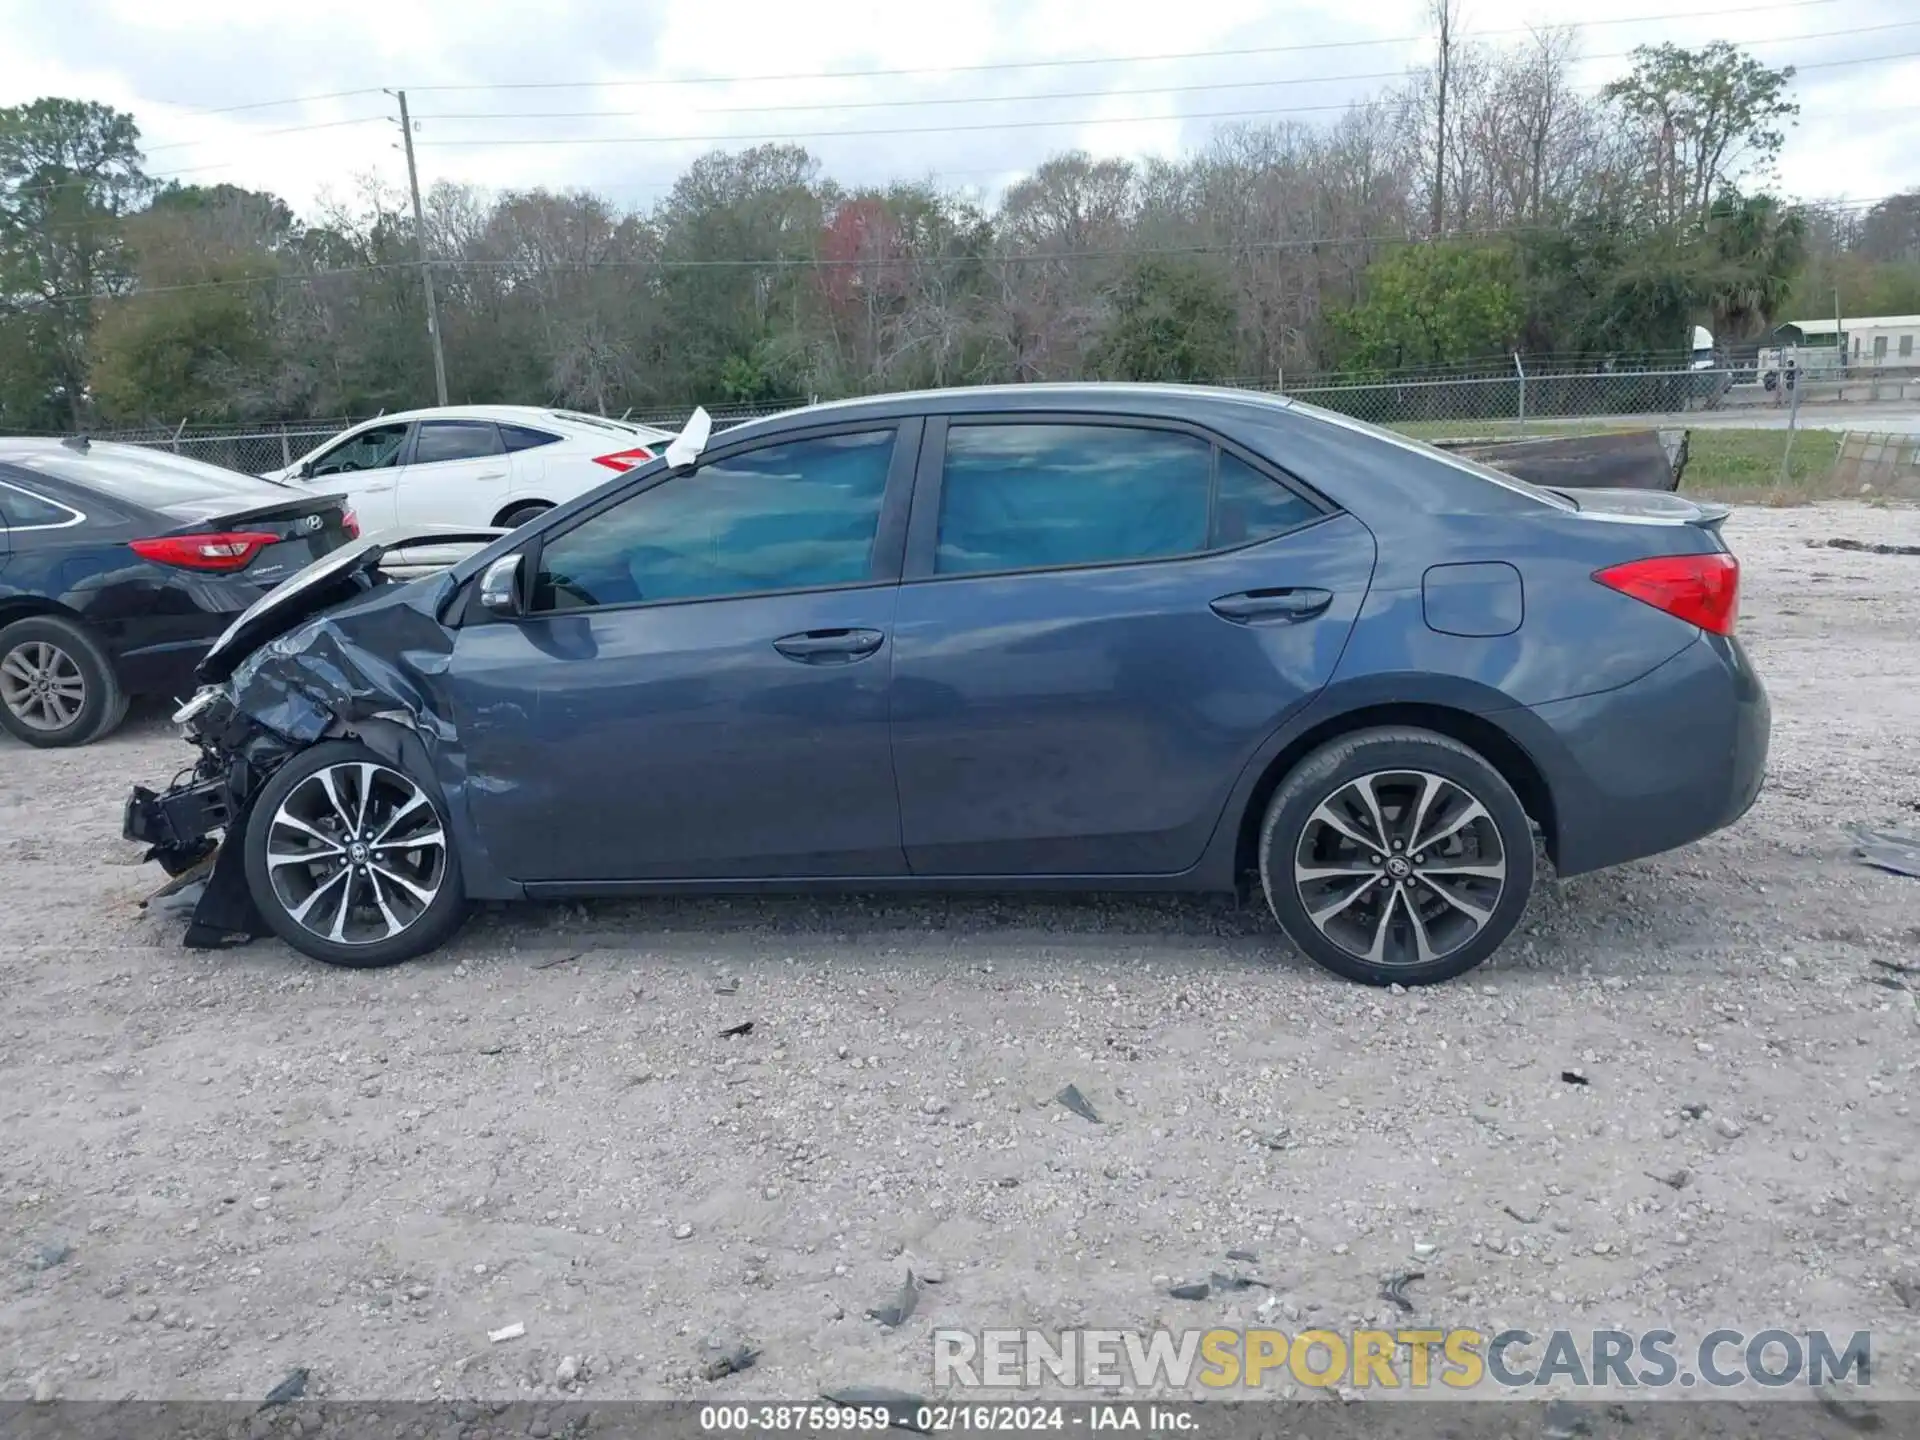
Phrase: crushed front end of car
pixel 345 648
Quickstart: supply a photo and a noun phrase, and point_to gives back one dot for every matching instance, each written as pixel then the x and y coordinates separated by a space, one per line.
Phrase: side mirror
pixel 500 586
pixel 305 472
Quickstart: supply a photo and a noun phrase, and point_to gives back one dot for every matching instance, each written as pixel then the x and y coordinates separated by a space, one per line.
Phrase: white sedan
pixel 484 465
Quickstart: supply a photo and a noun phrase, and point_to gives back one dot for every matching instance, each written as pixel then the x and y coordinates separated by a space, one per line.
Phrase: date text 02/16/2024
pixel 941 1418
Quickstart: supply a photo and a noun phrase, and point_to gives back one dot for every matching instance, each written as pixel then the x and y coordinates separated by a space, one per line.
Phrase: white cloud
pixel 169 62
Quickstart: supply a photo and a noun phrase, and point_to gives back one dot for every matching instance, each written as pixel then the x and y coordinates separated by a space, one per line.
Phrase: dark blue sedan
pixel 1065 637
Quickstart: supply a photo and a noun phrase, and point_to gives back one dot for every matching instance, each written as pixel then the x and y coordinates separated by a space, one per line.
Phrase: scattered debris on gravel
pixel 469 1148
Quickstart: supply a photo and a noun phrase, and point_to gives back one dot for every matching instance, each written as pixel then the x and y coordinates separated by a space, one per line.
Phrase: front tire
pixel 57 686
pixel 350 860
pixel 1396 857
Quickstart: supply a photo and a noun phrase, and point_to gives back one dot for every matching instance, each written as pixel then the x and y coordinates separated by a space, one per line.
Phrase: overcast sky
pixel 172 62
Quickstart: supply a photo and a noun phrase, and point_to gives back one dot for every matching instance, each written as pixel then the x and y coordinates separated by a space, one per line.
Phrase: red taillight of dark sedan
pixel 1702 590
pixel 230 550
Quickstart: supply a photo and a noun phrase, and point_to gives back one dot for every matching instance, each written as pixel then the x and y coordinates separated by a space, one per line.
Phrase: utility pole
pixel 1839 335
pixel 426 268
pixel 1443 14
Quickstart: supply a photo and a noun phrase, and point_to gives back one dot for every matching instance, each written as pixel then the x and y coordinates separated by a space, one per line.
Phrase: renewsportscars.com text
pixel 1412 1359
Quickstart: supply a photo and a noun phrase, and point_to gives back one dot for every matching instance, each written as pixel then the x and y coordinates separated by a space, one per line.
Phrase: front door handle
pixel 829 647
pixel 1251 606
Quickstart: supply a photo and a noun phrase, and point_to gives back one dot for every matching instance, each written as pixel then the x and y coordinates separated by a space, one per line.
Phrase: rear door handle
pixel 1251 606
pixel 829 647
pixel 491 475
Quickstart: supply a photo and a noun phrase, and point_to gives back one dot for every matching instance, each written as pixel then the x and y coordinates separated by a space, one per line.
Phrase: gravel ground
pixel 254 1163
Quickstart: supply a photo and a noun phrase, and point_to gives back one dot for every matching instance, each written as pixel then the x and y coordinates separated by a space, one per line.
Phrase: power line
pixel 1078 94
pixel 273 104
pixel 292 100
pixel 283 130
pixel 1266 112
pixel 1004 65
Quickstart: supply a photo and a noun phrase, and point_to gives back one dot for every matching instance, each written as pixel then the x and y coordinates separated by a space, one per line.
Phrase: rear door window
pixel 1043 496
pixel 442 440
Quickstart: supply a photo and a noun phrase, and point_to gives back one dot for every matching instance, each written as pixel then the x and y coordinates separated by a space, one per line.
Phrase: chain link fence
pixel 1459 402
pixel 1518 398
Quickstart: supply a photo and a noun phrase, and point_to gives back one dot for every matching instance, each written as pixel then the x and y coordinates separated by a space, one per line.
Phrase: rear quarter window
pixel 520 437
pixel 23 510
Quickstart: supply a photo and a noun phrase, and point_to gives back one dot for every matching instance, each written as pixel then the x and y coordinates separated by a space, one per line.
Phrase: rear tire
pixel 350 860
pixel 1396 857
pixel 520 514
pixel 57 686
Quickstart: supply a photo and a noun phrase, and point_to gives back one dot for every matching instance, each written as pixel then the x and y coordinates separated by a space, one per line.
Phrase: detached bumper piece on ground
pixel 1067 638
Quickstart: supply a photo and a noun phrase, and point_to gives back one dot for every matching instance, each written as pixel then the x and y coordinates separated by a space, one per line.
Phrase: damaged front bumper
pixel 186 826
pixel 345 649
pixel 178 825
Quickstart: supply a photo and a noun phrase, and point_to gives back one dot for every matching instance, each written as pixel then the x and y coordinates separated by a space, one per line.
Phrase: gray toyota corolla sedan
pixel 1063 637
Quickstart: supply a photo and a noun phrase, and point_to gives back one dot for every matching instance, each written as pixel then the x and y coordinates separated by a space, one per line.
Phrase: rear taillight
pixel 350 523
pixel 1702 590
pixel 622 461
pixel 232 550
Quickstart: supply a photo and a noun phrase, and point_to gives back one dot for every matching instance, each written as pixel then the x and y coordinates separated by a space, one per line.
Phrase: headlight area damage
pixel 345 648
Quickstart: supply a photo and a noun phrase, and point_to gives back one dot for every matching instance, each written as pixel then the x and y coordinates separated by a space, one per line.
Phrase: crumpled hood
pixel 373 657
pixel 406 553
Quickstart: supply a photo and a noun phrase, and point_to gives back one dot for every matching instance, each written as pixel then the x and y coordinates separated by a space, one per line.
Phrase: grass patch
pixel 1744 466
pixel 1739 466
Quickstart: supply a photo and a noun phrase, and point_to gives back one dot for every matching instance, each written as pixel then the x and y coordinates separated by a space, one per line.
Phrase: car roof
pixel 73 453
pixel 141 476
pixel 1119 397
pixel 512 414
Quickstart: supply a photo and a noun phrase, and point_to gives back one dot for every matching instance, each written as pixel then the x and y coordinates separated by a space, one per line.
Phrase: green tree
pixel 1703 120
pixel 1752 251
pixel 197 339
pixel 1169 323
pixel 69 171
pixel 1432 304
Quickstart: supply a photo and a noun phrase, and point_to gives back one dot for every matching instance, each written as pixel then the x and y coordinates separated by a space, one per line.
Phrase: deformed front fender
pixel 372 671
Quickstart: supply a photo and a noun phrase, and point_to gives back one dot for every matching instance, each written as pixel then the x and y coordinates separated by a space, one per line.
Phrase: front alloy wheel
pixel 349 859
pixel 356 853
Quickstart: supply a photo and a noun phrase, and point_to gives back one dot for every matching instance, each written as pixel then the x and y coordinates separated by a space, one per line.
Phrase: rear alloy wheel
pixel 57 685
pixel 349 859
pixel 1397 857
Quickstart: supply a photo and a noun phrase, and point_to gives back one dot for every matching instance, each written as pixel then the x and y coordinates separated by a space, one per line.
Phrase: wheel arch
pixel 1476 730
pixel 30 607
pixel 523 503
